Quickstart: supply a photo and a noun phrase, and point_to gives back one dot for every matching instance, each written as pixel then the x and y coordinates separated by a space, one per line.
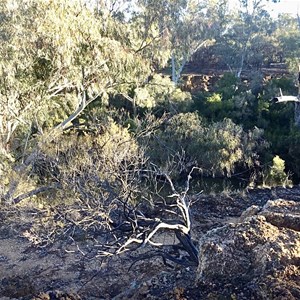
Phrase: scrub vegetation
pixel 101 132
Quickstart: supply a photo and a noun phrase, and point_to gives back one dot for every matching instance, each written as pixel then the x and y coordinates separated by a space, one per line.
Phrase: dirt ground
pixel 72 269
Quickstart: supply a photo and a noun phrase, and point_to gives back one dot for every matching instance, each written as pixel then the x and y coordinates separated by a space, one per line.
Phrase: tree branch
pixel 36 192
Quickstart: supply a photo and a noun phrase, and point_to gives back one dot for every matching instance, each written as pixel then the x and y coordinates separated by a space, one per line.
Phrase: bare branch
pixel 36 192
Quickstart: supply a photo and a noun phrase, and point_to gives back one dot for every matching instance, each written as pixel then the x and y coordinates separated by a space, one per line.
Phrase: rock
pixel 282 213
pixel 56 295
pixel 256 258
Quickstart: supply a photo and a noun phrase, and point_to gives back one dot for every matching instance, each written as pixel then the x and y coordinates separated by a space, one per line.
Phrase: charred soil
pixel 249 248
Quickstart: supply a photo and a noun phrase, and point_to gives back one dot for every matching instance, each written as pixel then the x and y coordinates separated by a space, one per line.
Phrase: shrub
pixel 161 92
pixel 86 163
pixel 218 148
pixel 276 175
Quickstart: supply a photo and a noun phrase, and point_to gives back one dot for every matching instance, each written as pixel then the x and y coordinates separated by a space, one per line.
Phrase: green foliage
pixel 215 99
pixel 50 53
pixel 227 86
pixel 60 57
pixel 293 152
pixel 227 146
pixel 212 106
pixel 232 99
pixel 216 148
pixel 276 175
pixel 215 106
pixel 288 35
pixel 277 119
pixel 90 164
pixel 162 94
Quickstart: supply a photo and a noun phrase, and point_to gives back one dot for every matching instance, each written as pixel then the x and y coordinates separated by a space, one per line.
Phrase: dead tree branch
pixel 146 229
pixel 36 192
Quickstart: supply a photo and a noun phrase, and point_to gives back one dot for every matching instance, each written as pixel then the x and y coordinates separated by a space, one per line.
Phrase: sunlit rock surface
pixel 257 256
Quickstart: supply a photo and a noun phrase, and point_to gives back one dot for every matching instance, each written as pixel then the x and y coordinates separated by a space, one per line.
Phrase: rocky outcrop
pixel 283 213
pixel 256 257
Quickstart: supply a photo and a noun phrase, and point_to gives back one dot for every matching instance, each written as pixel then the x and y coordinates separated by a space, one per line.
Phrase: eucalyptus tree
pixel 288 36
pixel 54 54
pixel 179 28
pixel 248 38
pixel 56 58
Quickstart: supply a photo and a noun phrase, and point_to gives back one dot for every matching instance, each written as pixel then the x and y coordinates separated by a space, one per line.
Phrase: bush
pixel 95 176
pixel 217 148
pixel 86 163
pixel 162 94
pixel 276 175
pixel 227 86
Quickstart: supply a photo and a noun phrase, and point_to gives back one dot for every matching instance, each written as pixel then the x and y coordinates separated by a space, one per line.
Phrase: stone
pixel 282 213
pixel 257 257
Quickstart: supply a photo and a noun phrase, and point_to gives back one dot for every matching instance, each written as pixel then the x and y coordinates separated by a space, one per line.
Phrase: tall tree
pixel 180 28
pixel 56 57
pixel 248 36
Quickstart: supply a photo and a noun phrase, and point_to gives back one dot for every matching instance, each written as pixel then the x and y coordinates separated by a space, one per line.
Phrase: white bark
pixel 82 105
pixel 173 68
pixel 242 64
pixel 176 74
pixel 180 227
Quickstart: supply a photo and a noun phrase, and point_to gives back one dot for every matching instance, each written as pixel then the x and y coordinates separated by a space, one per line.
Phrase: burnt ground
pixel 72 269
